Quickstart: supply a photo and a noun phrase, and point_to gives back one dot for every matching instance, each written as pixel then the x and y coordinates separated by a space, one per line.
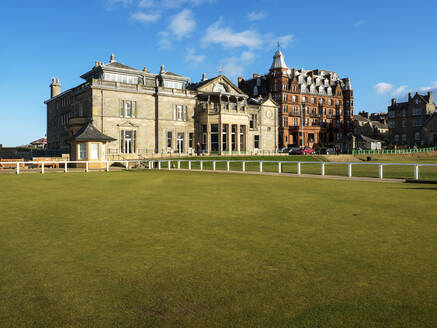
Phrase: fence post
pixel 416 172
pixel 279 167
pixel 65 167
pixel 227 165
pixel 298 168
pixel 127 165
pixel 189 165
pixel 159 164
pixel 381 171
pixel 42 168
pixel 18 168
pixel 213 165
pixel 260 166
pixel 107 166
pixel 349 170
pixel 201 165
pixel 169 165
pixel 86 166
pixel 323 169
pixel 179 164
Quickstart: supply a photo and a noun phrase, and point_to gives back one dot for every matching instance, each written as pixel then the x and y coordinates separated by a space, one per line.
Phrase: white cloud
pixel 110 4
pixel 217 33
pixel 382 88
pixel 255 16
pixel 235 66
pixel 165 42
pixel 194 58
pixel 359 23
pixel 182 24
pixel 170 4
pixel 433 87
pixel 400 91
pixel 145 17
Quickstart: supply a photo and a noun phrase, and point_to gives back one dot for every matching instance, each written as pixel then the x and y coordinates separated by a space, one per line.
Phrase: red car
pixel 305 151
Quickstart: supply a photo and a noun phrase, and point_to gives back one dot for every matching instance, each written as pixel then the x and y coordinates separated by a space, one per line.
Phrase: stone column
pixel 237 138
pixel 229 136
pixel 221 139
pixel 208 136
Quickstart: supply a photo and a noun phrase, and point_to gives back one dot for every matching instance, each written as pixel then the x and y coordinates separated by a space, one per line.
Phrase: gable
pixel 220 84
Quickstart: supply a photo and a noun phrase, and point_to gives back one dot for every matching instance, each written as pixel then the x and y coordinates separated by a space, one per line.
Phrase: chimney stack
pixel 162 69
pixel 203 77
pixel 393 101
pixel 254 76
pixel 55 88
pixel 430 97
pixel 112 58
pixel 409 96
pixel 240 79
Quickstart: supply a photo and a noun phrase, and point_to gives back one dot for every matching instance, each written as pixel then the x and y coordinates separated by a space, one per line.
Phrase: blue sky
pixel 386 47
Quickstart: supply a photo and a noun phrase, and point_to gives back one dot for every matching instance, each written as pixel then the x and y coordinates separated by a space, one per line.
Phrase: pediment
pixel 221 84
pixel 127 124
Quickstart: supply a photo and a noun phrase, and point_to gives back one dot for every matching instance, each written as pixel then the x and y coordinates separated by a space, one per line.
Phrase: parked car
pixel 292 150
pixel 327 151
pixel 283 150
pixel 305 151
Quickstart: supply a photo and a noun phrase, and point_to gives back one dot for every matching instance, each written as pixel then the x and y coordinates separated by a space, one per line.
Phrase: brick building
pixel 315 105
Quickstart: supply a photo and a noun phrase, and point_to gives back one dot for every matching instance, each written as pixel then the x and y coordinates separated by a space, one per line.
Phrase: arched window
pixel 255 91
pixel 303 88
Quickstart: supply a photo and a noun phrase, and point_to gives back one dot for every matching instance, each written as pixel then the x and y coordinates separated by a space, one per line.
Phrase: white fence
pixel 171 164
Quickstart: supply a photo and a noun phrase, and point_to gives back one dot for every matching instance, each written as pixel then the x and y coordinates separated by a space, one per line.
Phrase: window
pixel 304 99
pixel 94 151
pixel 173 84
pixel 204 136
pixel 285 122
pixel 82 151
pixel 285 108
pixel 121 78
pixel 285 97
pixel 313 100
pixel 233 137
pixel 417 136
pixel 397 138
pixel 256 142
pixel 404 123
pixel 404 112
pixel 128 108
pixel 169 139
pixel 296 121
pixel 180 142
pixel 404 138
pixel 224 137
pixel 190 140
pixel 242 128
pixel 127 141
pixel 391 124
pixel 180 110
pixel 417 122
pixel 417 111
pixel 214 137
pixel 329 102
pixel 252 122
pixel 294 98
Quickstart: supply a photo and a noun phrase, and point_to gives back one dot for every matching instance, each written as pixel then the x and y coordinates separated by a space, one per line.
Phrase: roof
pixel 367 139
pixel 360 118
pixel 278 60
pixel 89 132
pixel 119 65
pixel 172 74
pixel 196 86
pixel 39 141
pixel 380 125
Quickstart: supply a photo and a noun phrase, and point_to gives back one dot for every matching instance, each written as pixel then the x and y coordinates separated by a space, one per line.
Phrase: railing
pixel 217 165
pixel 393 151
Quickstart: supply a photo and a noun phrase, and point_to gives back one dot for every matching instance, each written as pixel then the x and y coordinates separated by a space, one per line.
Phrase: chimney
pixel 240 79
pixel 55 88
pixel 393 101
pixel 430 97
pixel 255 75
pixel 112 58
pixel 203 77
pixel 409 96
pixel 162 69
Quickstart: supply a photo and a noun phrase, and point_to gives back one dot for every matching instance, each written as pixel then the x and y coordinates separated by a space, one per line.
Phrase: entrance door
pixel 180 142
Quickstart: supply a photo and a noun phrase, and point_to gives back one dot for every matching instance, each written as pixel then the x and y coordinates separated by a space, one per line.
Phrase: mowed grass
pixel 192 249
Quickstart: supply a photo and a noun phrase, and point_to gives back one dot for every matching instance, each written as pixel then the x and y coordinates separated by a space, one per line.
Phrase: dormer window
pixel 173 84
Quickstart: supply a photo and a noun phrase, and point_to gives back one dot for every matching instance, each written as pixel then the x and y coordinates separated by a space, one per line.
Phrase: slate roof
pixel 89 132
pixel 119 65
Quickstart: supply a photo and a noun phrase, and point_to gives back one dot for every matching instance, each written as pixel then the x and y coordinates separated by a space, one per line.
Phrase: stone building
pixel 316 106
pixel 162 113
pixel 365 125
pixel 411 123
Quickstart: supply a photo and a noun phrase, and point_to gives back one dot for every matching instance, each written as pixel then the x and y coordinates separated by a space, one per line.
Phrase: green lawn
pixel 191 249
